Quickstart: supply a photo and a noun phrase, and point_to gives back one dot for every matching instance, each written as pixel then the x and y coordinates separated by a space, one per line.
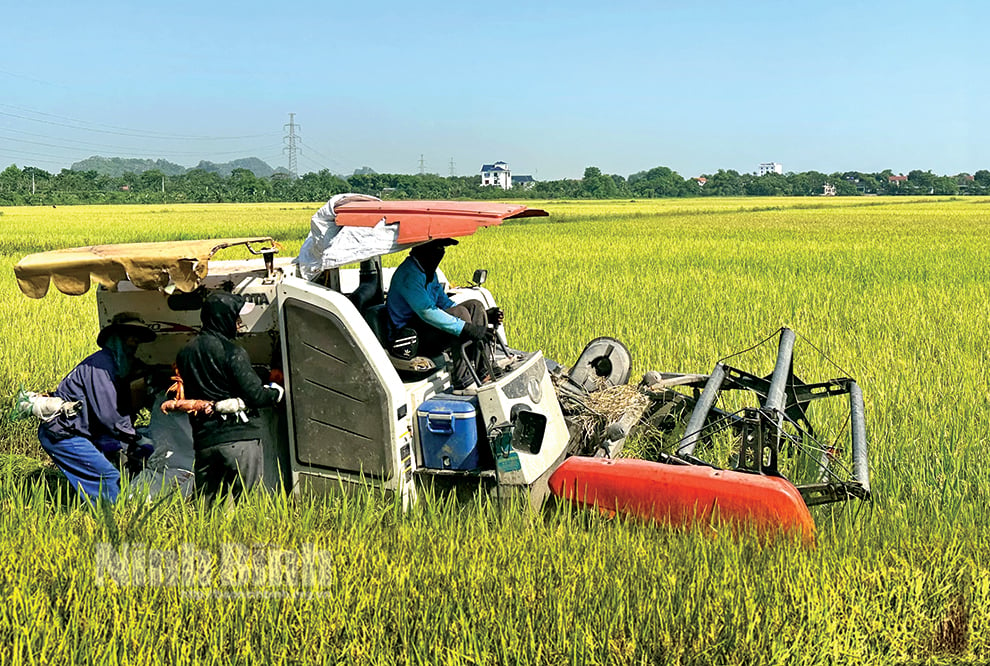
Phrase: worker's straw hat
pixel 125 324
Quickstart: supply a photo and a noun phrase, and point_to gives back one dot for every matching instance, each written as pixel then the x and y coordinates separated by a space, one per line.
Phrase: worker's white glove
pixel 229 406
pixel 276 387
pixel 234 406
pixel 47 408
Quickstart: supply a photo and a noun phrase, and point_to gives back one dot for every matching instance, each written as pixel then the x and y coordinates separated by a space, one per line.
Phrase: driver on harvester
pixel 416 300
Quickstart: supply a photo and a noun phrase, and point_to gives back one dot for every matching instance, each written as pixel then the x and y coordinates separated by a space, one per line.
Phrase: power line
pixel 17 142
pixel 319 166
pixel 127 151
pixel 111 129
pixel 31 78
pixel 49 136
pixel 327 160
pixel 50 159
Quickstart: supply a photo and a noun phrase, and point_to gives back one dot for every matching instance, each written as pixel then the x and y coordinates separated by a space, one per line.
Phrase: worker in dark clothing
pixel 84 443
pixel 416 300
pixel 212 367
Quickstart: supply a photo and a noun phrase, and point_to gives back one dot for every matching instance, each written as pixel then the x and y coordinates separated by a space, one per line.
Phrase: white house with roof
pixel 771 167
pixel 496 174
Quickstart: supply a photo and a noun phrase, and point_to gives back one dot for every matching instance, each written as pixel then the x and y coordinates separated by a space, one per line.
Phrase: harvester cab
pixel 358 414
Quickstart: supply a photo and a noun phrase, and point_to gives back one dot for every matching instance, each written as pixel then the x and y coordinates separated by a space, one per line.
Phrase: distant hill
pixel 118 166
pixel 258 167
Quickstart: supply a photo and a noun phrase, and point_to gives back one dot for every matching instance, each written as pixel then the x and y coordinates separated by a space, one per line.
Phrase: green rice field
pixel 891 291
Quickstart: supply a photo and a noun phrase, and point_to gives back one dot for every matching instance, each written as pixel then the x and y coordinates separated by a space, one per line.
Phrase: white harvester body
pixel 349 419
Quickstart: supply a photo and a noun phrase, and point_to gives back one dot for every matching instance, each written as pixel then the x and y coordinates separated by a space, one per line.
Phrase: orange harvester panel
pixel 422 220
pixel 683 495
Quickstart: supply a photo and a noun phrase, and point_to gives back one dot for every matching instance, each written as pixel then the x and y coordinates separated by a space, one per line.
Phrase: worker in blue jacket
pixel 83 443
pixel 417 300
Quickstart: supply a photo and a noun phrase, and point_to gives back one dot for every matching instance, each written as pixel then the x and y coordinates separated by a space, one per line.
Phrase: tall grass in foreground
pixel 894 291
pixel 475 584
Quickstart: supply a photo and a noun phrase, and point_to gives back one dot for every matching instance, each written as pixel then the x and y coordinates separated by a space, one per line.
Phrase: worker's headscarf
pixel 124 325
pixel 430 254
pixel 123 356
pixel 220 312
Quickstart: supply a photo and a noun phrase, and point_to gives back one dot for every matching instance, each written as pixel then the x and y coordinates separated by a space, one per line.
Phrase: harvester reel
pixel 781 423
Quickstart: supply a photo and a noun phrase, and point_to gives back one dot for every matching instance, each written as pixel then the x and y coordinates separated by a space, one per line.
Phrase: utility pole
pixel 422 165
pixel 290 146
pixel 451 167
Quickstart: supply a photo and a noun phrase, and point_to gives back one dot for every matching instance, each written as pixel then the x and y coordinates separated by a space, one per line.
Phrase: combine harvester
pixel 360 411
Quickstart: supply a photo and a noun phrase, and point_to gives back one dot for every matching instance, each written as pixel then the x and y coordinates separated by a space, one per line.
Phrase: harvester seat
pixel 416 367
pixel 377 318
pixel 366 296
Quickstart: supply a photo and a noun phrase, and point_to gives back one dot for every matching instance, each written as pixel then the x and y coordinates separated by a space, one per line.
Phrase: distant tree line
pixel 33 186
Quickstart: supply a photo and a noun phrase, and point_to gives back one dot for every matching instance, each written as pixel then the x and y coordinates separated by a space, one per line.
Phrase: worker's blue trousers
pixel 87 469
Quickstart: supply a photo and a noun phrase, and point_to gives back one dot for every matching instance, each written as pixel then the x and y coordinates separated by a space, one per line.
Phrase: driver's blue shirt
pixel 412 294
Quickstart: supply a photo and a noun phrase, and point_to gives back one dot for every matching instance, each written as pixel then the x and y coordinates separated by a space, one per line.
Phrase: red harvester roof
pixel 422 220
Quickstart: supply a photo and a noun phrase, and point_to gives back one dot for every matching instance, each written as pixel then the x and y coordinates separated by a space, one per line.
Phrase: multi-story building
pixel 770 167
pixel 497 174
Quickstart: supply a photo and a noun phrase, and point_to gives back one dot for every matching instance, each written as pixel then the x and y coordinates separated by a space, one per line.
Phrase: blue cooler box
pixel 448 432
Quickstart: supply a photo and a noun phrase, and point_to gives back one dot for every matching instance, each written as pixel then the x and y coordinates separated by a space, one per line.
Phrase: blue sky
pixel 549 87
